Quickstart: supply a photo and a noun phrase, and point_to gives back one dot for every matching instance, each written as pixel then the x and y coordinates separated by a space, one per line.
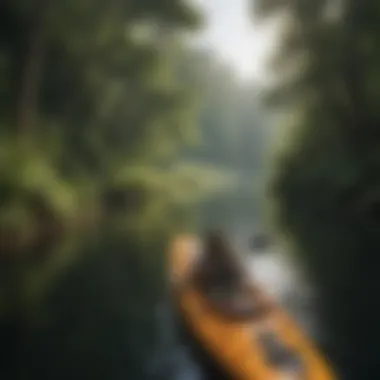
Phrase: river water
pixel 279 275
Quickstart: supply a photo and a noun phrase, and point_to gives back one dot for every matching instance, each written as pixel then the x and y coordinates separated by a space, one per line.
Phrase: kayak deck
pixel 236 346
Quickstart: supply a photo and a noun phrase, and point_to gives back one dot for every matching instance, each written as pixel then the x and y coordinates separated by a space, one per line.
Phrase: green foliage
pixel 106 98
pixel 98 100
pixel 91 108
pixel 324 188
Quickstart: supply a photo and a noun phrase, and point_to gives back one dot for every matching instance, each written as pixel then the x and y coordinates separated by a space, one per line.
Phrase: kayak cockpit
pixel 278 355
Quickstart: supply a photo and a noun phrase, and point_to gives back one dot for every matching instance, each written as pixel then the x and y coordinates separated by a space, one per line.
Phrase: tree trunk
pixel 31 70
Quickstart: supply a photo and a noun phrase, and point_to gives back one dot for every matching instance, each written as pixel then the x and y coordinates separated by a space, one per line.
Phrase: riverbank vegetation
pixel 118 131
pixel 324 187
pixel 114 135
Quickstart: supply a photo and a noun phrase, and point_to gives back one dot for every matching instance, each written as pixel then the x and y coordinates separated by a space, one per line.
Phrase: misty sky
pixel 232 34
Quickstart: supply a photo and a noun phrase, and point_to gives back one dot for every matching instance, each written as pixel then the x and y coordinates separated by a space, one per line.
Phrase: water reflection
pixel 282 278
pixel 179 364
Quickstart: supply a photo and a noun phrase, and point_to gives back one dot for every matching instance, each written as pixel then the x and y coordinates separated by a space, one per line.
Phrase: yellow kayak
pixel 271 348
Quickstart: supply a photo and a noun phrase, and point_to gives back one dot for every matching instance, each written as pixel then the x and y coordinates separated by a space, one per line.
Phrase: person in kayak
pixel 259 242
pixel 220 276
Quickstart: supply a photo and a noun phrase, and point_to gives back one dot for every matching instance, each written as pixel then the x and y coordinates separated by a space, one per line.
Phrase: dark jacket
pixel 219 265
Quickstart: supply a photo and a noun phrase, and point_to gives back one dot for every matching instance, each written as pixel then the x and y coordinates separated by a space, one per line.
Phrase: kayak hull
pixel 233 349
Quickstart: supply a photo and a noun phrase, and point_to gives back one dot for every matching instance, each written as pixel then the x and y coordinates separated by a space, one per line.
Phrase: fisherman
pixel 220 276
pixel 218 266
pixel 259 242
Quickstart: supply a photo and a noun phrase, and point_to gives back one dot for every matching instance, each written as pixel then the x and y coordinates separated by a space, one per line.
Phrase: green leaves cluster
pixel 99 84
pixel 324 188
pixel 92 117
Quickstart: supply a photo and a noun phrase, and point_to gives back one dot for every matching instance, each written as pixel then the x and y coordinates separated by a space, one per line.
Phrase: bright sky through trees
pixel 234 36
